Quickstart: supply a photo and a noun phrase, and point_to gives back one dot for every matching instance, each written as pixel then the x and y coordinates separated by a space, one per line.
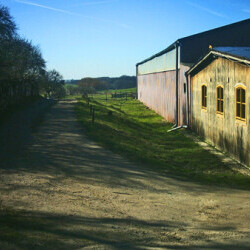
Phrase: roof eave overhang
pixel 169 48
pixel 212 55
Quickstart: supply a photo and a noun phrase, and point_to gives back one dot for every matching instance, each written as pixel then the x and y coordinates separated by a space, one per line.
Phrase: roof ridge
pixel 223 54
pixel 172 46
pixel 218 28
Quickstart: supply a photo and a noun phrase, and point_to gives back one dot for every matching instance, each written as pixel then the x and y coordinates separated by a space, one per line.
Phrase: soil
pixel 63 191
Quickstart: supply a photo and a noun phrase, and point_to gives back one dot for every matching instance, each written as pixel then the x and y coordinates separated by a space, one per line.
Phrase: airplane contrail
pixel 46 7
pixel 125 26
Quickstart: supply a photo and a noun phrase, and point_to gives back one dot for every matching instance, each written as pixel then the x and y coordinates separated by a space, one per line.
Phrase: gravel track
pixel 63 191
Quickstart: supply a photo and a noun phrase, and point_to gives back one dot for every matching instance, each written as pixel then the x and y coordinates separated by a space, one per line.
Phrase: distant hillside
pixel 71 81
pixel 121 82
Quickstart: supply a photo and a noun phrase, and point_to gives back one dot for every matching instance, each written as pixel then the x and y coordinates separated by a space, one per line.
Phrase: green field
pixel 130 129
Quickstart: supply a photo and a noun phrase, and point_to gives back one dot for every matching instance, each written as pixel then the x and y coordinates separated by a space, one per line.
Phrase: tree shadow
pixel 59 151
pixel 38 230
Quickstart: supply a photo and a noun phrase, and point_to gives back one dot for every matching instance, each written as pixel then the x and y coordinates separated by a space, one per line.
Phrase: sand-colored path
pixel 66 192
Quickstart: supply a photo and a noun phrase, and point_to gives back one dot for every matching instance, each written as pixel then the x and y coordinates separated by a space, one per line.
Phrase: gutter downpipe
pixel 137 82
pixel 188 99
pixel 177 81
pixel 182 126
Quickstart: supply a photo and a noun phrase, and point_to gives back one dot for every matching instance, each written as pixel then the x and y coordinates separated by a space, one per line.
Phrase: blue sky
pixel 82 38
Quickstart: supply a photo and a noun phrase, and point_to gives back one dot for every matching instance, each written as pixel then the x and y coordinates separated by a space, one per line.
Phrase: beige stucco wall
pixel 223 131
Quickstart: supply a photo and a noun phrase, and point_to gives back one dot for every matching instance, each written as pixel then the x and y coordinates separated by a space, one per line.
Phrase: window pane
pixel 221 96
pixel 238 95
pixel 238 110
pixel 220 106
pixel 203 97
pixel 243 96
pixel 243 109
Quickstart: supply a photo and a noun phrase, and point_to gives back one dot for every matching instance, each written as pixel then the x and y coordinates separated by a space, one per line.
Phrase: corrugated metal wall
pixel 157 91
pixel 160 63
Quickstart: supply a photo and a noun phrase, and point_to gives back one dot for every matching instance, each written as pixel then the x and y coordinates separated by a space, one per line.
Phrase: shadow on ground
pixel 60 149
pixel 58 152
pixel 52 231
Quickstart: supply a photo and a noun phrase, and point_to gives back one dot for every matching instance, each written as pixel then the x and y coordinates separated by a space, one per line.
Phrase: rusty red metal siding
pixel 157 91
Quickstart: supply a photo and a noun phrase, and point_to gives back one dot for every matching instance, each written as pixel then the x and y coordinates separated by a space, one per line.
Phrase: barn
pixel 161 81
pixel 220 100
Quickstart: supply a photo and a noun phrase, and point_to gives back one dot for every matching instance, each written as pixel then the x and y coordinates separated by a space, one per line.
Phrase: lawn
pixel 130 129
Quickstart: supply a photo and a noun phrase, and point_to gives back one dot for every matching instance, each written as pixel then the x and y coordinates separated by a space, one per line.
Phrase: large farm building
pixel 161 80
pixel 203 81
pixel 220 100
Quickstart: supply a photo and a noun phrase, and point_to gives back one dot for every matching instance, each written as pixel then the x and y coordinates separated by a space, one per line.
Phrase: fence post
pixel 93 114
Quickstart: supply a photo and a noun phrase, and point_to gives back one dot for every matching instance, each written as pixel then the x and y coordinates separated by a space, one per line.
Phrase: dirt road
pixel 65 192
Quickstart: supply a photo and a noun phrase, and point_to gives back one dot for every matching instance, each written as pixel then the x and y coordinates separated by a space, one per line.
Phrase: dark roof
pixel 237 54
pixel 241 52
pixel 192 47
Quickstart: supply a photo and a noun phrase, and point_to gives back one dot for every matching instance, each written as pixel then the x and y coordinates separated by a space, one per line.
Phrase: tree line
pixel 122 82
pixel 22 67
pixel 85 86
pixel 89 85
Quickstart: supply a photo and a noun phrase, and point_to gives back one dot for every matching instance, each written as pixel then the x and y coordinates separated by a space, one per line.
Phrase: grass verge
pixel 130 129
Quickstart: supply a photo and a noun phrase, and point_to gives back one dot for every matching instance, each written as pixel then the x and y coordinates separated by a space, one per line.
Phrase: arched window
pixel 220 100
pixel 204 96
pixel 241 103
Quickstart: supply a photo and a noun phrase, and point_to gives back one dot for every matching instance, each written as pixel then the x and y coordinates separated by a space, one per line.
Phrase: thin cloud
pixel 125 26
pixel 46 7
pixel 206 9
